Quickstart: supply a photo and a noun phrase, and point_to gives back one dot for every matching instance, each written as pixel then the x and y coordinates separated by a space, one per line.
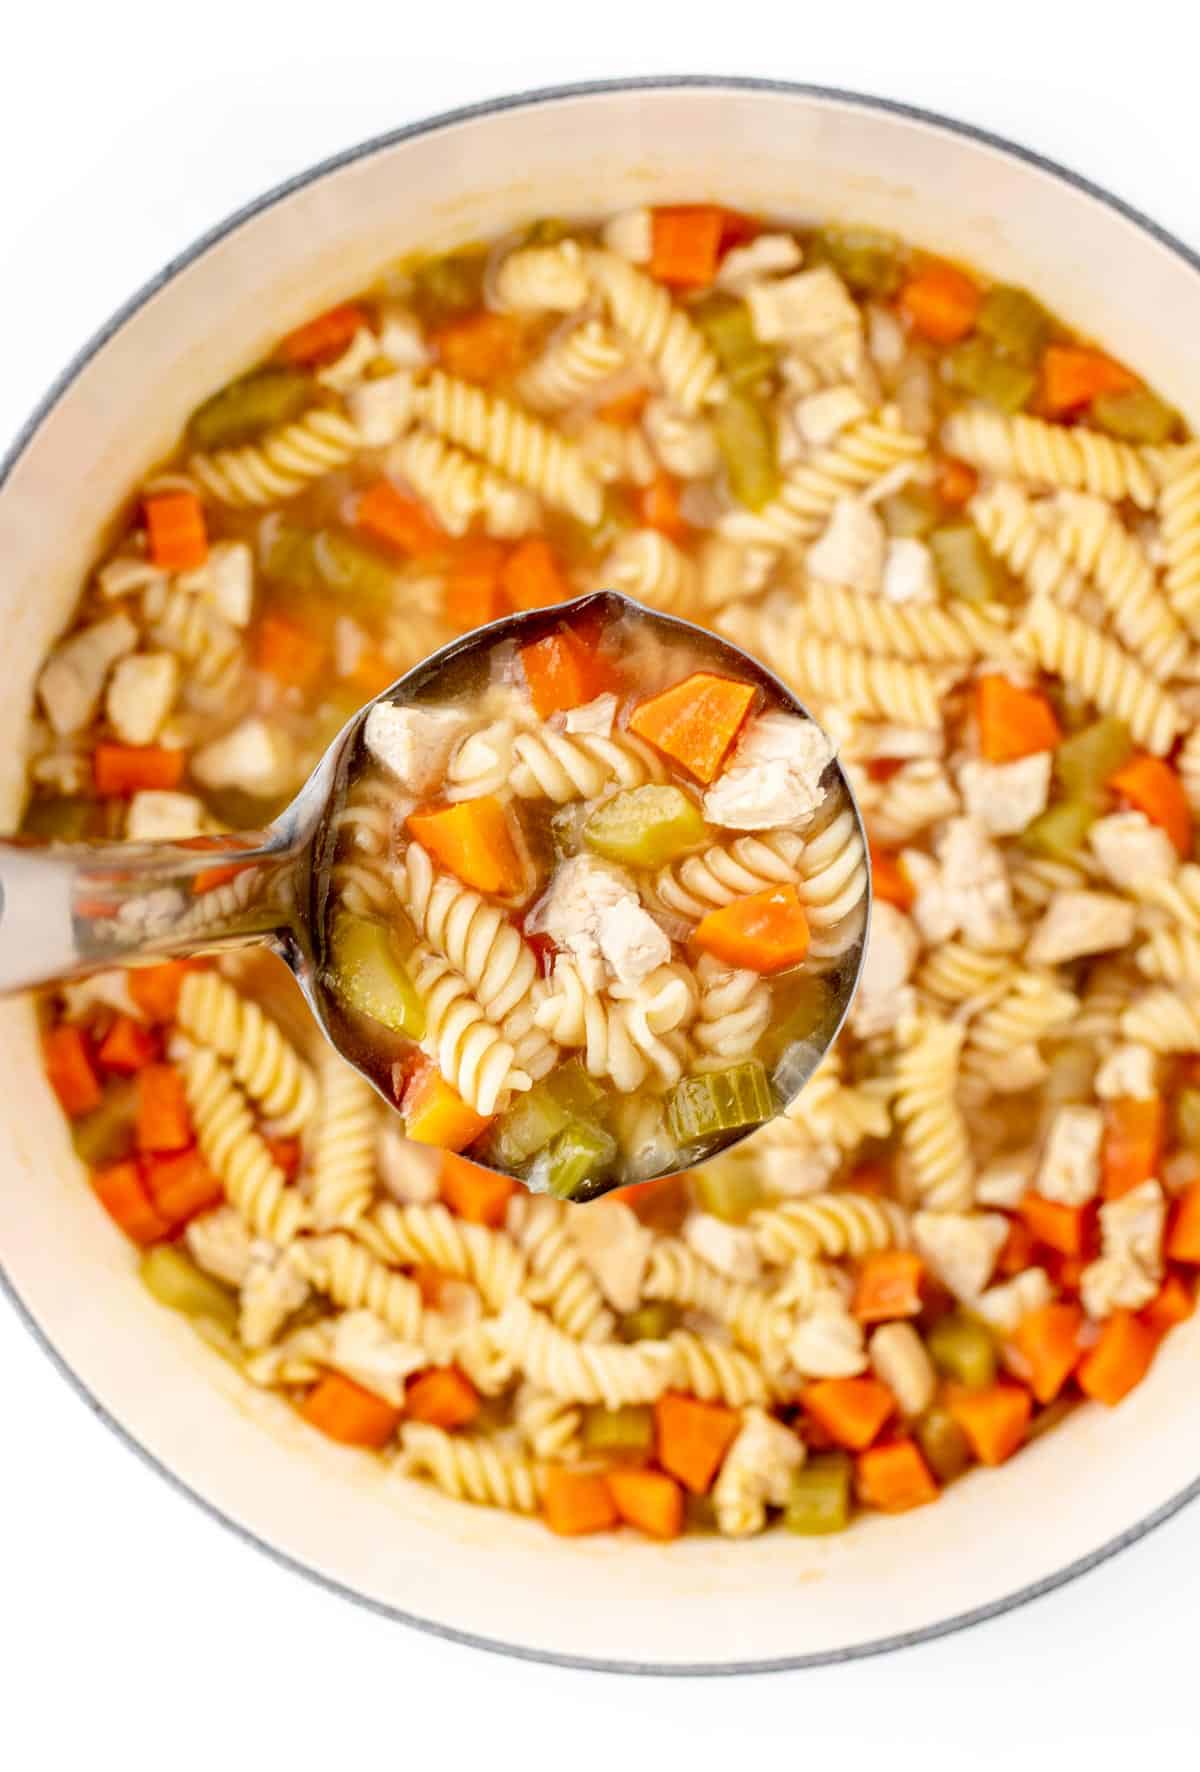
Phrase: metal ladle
pixel 67 909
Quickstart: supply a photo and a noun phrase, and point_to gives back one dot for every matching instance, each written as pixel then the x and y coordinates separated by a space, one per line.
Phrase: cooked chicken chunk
pixel 414 743
pixel 1006 797
pixel 773 777
pixel 1078 923
pixel 1069 1171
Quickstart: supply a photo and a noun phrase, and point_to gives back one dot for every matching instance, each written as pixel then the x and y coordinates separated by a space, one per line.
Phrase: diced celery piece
pixel 245 408
pixel 974 368
pixel 355 571
pixel 106 1134
pixel 802 1007
pixel 575 1091
pixel 913 511
pixel 63 819
pixel 747 448
pixel 720 1101
pixel 583 1153
pixel 449 285
pixel 943 1444
pixel 796 1065
pixel 370 976
pixel 650 1322
pixel 526 1127
pixel 1014 322
pixel 547 232
pixel 961 1348
pixel 1060 831
pixel 867 261
pixel 629 1429
pixel 726 324
pixel 1084 762
pixel 1136 416
pixel 178 1283
pixel 1187 1118
pixel 646 827
pixel 819 1496
pixel 964 565
pixel 727 1190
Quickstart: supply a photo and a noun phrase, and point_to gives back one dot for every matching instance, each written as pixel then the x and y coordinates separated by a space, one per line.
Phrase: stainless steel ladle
pixel 67 909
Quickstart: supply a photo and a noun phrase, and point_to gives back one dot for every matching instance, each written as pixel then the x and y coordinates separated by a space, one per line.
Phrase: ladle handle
pixel 68 909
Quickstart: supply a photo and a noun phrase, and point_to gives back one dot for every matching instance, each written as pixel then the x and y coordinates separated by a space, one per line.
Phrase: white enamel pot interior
pixel 492 1579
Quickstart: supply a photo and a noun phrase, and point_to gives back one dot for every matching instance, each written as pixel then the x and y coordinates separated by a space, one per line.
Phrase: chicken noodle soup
pixel 970 541
pixel 512 956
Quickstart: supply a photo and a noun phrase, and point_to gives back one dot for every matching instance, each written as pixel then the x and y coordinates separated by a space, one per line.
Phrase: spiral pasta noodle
pixel 827 1225
pixel 559 1279
pixel 1178 895
pixel 431 1236
pixel 282 463
pixel 470 1052
pixel 271 1072
pixel 581 1371
pixel 700 883
pixel 468 1467
pixel 956 972
pixel 571 368
pixel 1171 955
pixel 513 442
pixel 1049 455
pixel 236 1153
pixel 337 1265
pixel 735 1008
pixel 621 1040
pixel 862 454
pixel 1179 521
pixel 182 623
pixel 647 565
pixel 1016 535
pixel 1164 1021
pixel 832 875
pixel 457 488
pixel 342 1178
pixel 714 1371
pixel 541 279
pixel 549 1425
pixel 562 766
pixel 749 1311
pixel 844 1114
pixel 643 311
pixel 933 1132
pixel 920 633
pixel 1102 672
pixel 1032 1007
pixel 1093 537
pixel 919 795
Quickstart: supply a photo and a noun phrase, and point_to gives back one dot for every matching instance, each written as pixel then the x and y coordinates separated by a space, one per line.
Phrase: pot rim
pixel 221 230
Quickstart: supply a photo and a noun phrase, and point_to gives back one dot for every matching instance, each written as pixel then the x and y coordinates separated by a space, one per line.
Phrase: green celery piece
pixel 449 285
pixel 719 1101
pixel 819 1496
pixel 63 819
pixel 1060 831
pixel 943 1444
pixel 1011 320
pixel 1135 416
pixel 646 827
pixel 867 261
pixel 288 556
pixel 803 1005
pixel 913 511
pixel 1084 762
pixel 245 408
pixel 1187 1118
pixel 369 975
pixel 629 1429
pixel 525 1128
pixel 974 368
pixel 356 572
pixel 747 446
pixel 583 1153
pixel 547 232
pixel 575 1091
pixel 178 1283
pixel 650 1322
pixel 961 1349
pixel 106 1134
pixel 964 565
pixel 728 1191
pixel 726 324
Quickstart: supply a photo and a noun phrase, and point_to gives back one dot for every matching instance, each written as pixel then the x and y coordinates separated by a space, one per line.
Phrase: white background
pixel 135 1632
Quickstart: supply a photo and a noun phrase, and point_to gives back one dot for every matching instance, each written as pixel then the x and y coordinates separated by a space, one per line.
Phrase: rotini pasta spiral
pixel 234 1151
pixel 1018 535
pixel 643 311
pixel 617 1039
pixel 282 463
pixel 581 1371
pixel 1032 1007
pixel 829 1225
pixel 541 279
pixel 735 1008
pixel 468 1467
pixel 457 488
pixel 1164 1021
pixel 714 1371
pixel 921 633
pixel 548 1425
pixel 562 766
pixel 559 1278
pixel 750 1312
pixel 862 454
pixel 343 1159
pixel 1173 956
pixel 1092 535
pixel 1049 455
pixel 514 442
pixel 956 972
pixel 646 565
pixel 571 368
pixel 919 795
pixel 271 1072
pixel 1178 473
pixel 701 883
pixel 469 1051
pixel 1177 895
pixel 338 1266
pixel 827 1109
pixel 182 623
pixel 431 1236
pixel 1102 672
pixel 932 1129
pixel 832 875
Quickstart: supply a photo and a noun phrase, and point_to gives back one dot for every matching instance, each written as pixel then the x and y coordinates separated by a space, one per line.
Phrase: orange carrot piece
pixel 1048 1339
pixel 890 879
pixel 163 1122
pixel 122 1193
pixel 474 595
pixel 288 652
pixel 1183 1231
pixel 626 409
pixel 326 337
pixel 763 932
pixel 649 1500
pixel 1017 1251
pixel 479 1195
pixel 1013 722
pixel 692 1438
pixel 563 671
pixel 67 1056
pixel 175 530
pixel 349 1413
pixel 1155 789
pixel 400 523
pixel 435 1113
pixel 429 1282
pixel 1173 1303
pixel 941 302
pixel 851 1410
pixel 1133 1144
pixel 995 1420
pixel 479 347
pixel 531 577
pixel 574 1502
pixel 120 769
pixel 894 1478
pixel 888 1285
pixel 474 841
pixel 1073 376
pixel 686 244
pixel 870 1177
pixel 155 989
pixel 443 1396
pixel 658 506
pixel 1120 1359
pixel 1059 1227
pixel 285 1154
pixel 957 482
pixel 127 1046
pixel 181 1186
pixel 696 721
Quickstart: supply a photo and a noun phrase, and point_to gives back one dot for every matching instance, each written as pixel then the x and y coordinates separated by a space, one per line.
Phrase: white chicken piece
pixel 1129 848
pixel 1005 1180
pixel 770 255
pixel 1129 1270
pixel 581 891
pixel 594 717
pixel 773 778
pixel 255 756
pixel 383 410
pixel 1005 797
pixel 363 1348
pixel 414 743
pixel 141 693
pixel 908 572
pixel 892 948
pixel 1003 1306
pixel 408 1171
pixel 631 942
pixel 897 1355
pixel 805 307
pixel 852 548
pixel 274 1287
pixel 225 581
pixel 966 889
pixel 102 990
pixel 879 738
pixel 731 1248
pixel 886 342
pixel 1009 1073
pixel 72 680
pixel 685 445
pixel 822 416
pixel 615 1247
pixel 828 1344
pixel 795 1172
pixel 1079 923
pixel 1129 1072
pixel 756 1473
pixel 1069 1171
pixel 220 1242
pixel 350 643
pixel 630 235
pixel 161 815
pixel 402 341
pixel 960 1248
